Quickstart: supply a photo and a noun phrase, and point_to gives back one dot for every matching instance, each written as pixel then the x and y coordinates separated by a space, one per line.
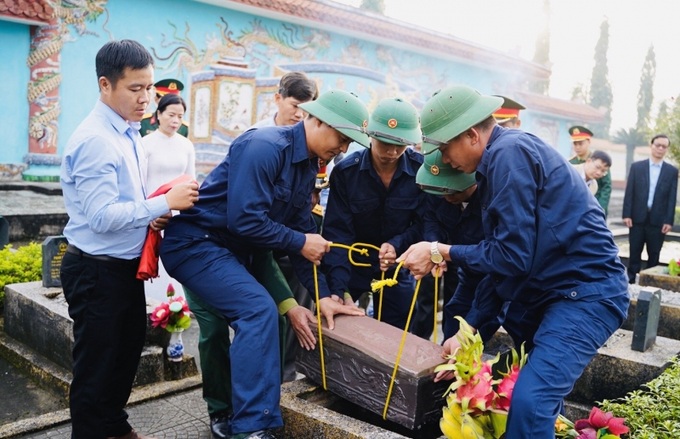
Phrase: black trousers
pixel 108 308
pixel 638 236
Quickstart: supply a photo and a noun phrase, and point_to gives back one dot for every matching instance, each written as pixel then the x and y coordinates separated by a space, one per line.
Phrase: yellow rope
pixel 401 348
pixel 350 249
pixel 318 327
pixel 382 277
pixel 363 251
pixel 436 303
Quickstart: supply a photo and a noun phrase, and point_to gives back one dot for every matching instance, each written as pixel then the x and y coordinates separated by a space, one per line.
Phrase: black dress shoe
pixel 220 425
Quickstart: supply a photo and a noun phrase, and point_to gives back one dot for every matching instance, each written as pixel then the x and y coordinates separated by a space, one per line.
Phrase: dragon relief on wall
pixel 45 70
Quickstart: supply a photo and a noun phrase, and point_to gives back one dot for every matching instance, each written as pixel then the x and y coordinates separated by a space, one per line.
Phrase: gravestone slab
pixel 669 318
pixel 647 313
pixel 53 249
pixel 360 354
pixel 38 318
pixel 658 277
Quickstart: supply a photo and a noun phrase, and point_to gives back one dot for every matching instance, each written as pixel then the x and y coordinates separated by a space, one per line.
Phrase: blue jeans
pixel 220 278
pixel 568 336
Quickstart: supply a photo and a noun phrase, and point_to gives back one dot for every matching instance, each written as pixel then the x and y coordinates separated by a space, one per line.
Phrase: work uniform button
pixel 573 294
pixel 266 411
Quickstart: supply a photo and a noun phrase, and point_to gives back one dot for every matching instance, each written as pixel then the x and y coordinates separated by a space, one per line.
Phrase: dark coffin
pixel 359 356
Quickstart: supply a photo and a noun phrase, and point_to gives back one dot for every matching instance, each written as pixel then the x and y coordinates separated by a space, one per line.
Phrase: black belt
pixel 103 258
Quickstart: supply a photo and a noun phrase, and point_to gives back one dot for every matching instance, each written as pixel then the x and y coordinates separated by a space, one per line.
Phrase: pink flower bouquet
pixel 477 405
pixel 173 315
pixel 599 425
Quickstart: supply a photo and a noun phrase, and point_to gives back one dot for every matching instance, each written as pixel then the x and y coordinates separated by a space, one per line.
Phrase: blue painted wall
pixel 188 38
pixel 14 44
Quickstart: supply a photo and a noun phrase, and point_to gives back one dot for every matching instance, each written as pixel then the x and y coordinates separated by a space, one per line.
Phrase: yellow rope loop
pixel 350 249
pixel 362 251
pixel 401 349
pixel 318 327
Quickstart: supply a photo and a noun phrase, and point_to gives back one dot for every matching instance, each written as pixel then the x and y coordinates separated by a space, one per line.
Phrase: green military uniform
pixel 604 184
pixel 163 87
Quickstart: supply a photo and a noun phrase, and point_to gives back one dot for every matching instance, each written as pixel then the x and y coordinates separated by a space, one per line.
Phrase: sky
pixel 513 26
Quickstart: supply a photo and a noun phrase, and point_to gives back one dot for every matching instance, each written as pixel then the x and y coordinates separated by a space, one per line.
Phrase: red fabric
pixel 148 264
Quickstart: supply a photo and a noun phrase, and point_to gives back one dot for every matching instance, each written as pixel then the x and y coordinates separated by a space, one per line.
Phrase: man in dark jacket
pixel 649 204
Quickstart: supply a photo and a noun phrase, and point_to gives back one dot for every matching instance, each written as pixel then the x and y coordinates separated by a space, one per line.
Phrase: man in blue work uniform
pixel 454 216
pixel 546 247
pixel 295 88
pixel 259 197
pixel 374 200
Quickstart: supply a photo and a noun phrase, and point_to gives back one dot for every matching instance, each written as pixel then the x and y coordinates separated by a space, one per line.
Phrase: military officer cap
pixel 437 178
pixel 395 121
pixel 171 86
pixel 510 109
pixel 342 111
pixel 579 133
pixel 451 111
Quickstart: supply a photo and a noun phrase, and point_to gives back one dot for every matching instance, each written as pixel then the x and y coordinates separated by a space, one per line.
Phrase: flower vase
pixel 175 348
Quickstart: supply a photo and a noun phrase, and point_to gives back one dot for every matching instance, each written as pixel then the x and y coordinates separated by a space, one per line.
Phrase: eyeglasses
pixel 439 189
pixel 660 145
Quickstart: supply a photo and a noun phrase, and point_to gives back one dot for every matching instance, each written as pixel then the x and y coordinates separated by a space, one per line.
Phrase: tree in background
pixel 600 88
pixel 374 6
pixel 668 122
pixel 630 137
pixel 646 93
pixel 638 135
pixel 542 51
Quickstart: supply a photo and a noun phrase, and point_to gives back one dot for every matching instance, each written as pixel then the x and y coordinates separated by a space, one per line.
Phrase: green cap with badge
pixel 342 111
pixel 451 111
pixel 437 178
pixel 395 121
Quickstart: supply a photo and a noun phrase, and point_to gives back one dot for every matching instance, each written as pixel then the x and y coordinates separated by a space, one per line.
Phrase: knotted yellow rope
pixel 401 348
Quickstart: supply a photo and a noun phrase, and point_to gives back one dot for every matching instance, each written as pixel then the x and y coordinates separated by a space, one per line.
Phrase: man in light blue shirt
pixel 102 178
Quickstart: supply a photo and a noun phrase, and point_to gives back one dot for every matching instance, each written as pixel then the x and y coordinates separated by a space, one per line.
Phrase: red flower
pixel 599 419
pixel 160 315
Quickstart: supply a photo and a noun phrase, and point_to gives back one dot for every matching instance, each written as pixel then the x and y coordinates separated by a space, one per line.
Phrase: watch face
pixel 436 258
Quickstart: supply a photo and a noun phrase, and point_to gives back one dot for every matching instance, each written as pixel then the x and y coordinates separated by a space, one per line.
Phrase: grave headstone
pixel 646 319
pixel 4 231
pixel 53 249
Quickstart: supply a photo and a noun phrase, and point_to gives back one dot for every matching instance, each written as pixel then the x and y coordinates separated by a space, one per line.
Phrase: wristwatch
pixel 435 256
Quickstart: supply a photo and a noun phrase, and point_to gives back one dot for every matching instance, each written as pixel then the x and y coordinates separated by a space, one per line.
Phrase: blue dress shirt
pixel 654 172
pixel 102 178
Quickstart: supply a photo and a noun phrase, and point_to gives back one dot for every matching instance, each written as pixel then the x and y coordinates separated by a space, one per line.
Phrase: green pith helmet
pixel 437 178
pixel 342 111
pixel 395 121
pixel 451 111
